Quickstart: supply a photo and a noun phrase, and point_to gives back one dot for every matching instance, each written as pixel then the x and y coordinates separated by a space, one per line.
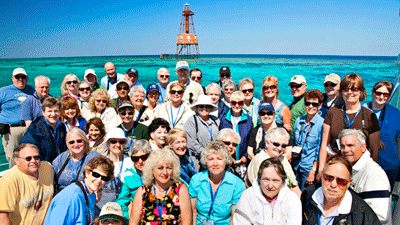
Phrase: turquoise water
pixel 257 67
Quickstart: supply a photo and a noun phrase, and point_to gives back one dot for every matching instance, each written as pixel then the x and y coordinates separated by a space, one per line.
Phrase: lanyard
pixel 347 122
pixel 74 174
pixel 160 209
pixel 95 114
pixel 130 140
pixel 213 197
pixel 117 180
pixel 87 191
pixel 172 115
pixel 381 116
pixel 209 128
pixel 319 219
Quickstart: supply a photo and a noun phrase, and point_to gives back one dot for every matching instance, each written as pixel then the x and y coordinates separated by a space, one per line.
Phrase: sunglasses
pixel 352 89
pixel 122 142
pixel 339 181
pixel 295 85
pixel 97 175
pixel 225 75
pixel 228 89
pixel 330 85
pixel 227 143
pixel 268 113
pixel 29 158
pixel 72 82
pixel 123 88
pixel 314 104
pixel 164 76
pixel 272 87
pixel 385 95
pixel 84 89
pixel 239 103
pixel 248 91
pixel 101 100
pixel 21 76
pixel 204 106
pixel 124 113
pixel 79 141
pixel 276 144
pixel 142 157
pixel 172 92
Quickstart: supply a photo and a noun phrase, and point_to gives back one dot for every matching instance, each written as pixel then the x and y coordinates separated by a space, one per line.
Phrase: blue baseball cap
pixel 267 106
pixel 153 87
pixel 131 70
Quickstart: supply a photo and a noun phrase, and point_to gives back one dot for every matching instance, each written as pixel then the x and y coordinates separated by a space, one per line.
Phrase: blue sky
pixel 109 27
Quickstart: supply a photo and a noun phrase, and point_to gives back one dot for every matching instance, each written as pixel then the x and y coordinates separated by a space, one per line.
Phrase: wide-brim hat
pixel 111 210
pixel 117 133
pixel 203 100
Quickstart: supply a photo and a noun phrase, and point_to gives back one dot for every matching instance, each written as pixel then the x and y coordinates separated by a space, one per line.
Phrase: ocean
pixel 314 68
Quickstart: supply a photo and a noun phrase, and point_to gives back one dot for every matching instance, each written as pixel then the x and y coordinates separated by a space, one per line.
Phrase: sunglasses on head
pixel 172 92
pixel 84 89
pixel 268 113
pixel 122 88
pixel 29 158
pixel 142 157
pixel 295 85
pixel 314 104
pixel 272 87
pixel 239 103
pixel 378 93
pixel 352 89
pixel 204 106
pixel 101 100
pixel 276 144
pixel 122 142
pixel 227 143
pixel 248 91
pixel 79 141
pixel 330 85
pixel 20 76
pixel 72 82
pixel 129 113
pixel 339 181
pixel 164 76
pixel 97 175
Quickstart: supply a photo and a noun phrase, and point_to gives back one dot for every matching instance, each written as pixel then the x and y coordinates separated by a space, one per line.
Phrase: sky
pixel 63 28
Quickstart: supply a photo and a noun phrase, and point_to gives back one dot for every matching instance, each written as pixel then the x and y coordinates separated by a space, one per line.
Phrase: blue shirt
pixel 106 83
pixel 163 95
pixel 187 168
pixel 228 194
pixel 32 108
pixel 11 99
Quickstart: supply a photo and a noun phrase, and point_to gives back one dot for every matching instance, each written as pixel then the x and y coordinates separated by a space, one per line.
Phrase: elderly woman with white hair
pixel 214 91
pixel 162 199
pixel 251 103
pixel 215 191
pixel 143 115
pixel 228 87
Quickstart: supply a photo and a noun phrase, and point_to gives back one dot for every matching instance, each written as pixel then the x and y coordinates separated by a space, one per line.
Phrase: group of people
pixel 113 152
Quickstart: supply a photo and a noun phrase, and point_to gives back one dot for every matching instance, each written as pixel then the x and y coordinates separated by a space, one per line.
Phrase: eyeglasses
pixel 101 100
pixel 228 89
pixel 339 181
pixel 276 144
pixel 314 104
pixel 385 95
pixel 204 106
pixel 268 113
pixel 227 143
pixel 172 92
pixel 109 221
pixel 121 142
pixel 142 157
pixel 72 82
pixel 330 85
pixel 164 76
pixel 97 175
pixel 225 75
pixel 79 141
pixel 352 89
pixel 295 85
pixel 239 103
pixel 123 88
pixel 21 76
pixel 29 158
pixel 196 78
pixel 272 87
pixel 124 113
pixel 84 89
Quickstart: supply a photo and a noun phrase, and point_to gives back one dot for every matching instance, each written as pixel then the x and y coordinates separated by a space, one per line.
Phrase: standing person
pixel 228 87
pixel 26 189
pixel 152 96
pixel 216 191
pixel 331 96
pixel 163 76
pixel 196 75
pixel 48 132
pixel 158 131
pixel 91 77
pixel 75 204
pixel 307 136
pixel 69 86
pixel 85 91
pixel 32 107
pixel 133 131
pixel 251 104
pixel 122 90
pixel 389 119
pixel 142 114
pixel 12 128
pixel 130 77
pixel 99 105
pixel 71 114
pixel 112 76
pixel 298 86
pixel 224 74
pixel 215 92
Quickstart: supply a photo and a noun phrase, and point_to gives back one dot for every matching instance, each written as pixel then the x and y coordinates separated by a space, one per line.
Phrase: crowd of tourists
pixel 110 151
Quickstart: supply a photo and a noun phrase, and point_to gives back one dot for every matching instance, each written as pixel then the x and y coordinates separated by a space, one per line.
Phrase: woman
pixel 162 199
pixel 142 114
pixel 133 131
pixel 201 128
pixel 251 104
pixel 269 200
pixel 238 120
pixel 270 93
pixel 71 114
pixel 228 87
pixel 100 107
pixel 152 94
pixel 215 192
pixel 177 140
pixel 122 90
pixel 68 166
pixel 133 176
pixel 85 92
pixel 115 144
pixel 69 86
pixel 388 118
pixel 75 204
pixel 158 131
pixel 333 201
pixel 96 134
pixel 214 91
pixel 175 111
pixel 349 115
pixel 307 136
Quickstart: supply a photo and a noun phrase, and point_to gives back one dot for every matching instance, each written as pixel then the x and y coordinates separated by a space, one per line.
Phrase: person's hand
pixel 381 145
pixel 311 177
pixel 319 176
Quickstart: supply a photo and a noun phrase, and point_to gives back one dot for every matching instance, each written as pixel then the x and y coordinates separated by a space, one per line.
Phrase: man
pixel 192 89
pixel 224 74
pixel 331 96
pixel 48 132
pixel 131 77
pixel 111 213
pixel 112 76
pixel 26 189
pixel 132 130
pixel 163 76
pixel 12 128
pixel 32 107
pixel 196 75
pixel 369 179
pixel 122 91
pixel 298 86
pixel 91 77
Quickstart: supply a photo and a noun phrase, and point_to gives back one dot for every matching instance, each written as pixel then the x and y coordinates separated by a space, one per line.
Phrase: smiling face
pixel 266 116
pixel 182 75
pixel 196 76
pixel 351 95
pixel 310 109
pixel 94 184
pixel 52 114
pixel 176 97
pixel 28 167
pixel 230 142
pixel 152 96
pixel 179 146
pixel 127 115
pixel 131 78
pixel 351 149
pixel 237 105
pixel 116 145
pixel 271 183
pixel 75 144
pixel 298 91
pixel 276 151
pixel 270 90
pixel 214 95
pixel 216 164
pixel 91 79
pixel 19 81
pixel 163 173
pixel 163 76
pixel 122 90
pixel 93 132
pixel 71 85
pixel 100 104
pixel 109 68
pixel 137 99
pixel 379 95
pixel 84 91
pixel 331 89
pixel 42 88
pixel 159 136
pixel 332 191
pixel 204 110
pixel 248 91
pixel 139 162
pixel 70 113
pixel 228 90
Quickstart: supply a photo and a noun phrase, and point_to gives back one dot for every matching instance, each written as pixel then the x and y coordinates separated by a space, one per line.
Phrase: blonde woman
pixel 69 86
pixel 99 105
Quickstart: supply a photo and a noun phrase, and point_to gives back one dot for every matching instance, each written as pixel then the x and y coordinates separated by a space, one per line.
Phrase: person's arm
pixel 185 206
pixel 194 210
pixel 136 210
pixel 323 153
pixel 27 123
pixel 232 213
pixel 286 118
pixel 4 218
pixel 242 160
pixel 250 153
pixel 398 146
pixel 311 175
pixel 374 144
pixel 192 143
pixel 288 153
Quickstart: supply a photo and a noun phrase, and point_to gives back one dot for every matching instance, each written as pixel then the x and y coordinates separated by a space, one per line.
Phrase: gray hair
pixel 361 138
pixel 158 157
pixel 214 85
pixel 84 82
pixel 228 132
pixel 228 82
pixel 276 132
pixel 162 68
pixel 22 146
pixel 244 81
pixel 36 80
pixel 140 145
pixel 137 88
pixel 219 148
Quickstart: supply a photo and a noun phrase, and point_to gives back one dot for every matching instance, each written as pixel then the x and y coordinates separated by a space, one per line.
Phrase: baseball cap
pixel 90 71
pixel 131 70
pixel 333 77
pixel 298 79
pixel 182 65
pixel 121 81
pixel 267 106
pixel 225 70
pixel 111 210
pixel 19 71
pixel 125 104
pixel 152 87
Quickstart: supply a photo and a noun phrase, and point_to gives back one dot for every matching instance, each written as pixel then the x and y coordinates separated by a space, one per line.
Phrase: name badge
pixel 297 149
pixel 207 222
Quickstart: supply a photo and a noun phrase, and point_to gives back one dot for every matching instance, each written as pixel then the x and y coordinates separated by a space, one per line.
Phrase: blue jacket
pixel 243 129
pixel 40 134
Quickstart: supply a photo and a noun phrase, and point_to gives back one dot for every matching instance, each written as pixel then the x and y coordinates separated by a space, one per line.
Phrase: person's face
pixel 231 143
pixel 266 116
pixel 216 164
pixel 30 167
pixel 159 136
pixel 331 89
pixel 381 95
pixel 351 94
pixel 91 79
pixel 94 132
pixel 152 96
pixel 131 78
pixel 100 104
pixel 42 88
pixel 228 90
pixel 182 73
pixel 312 106
pixel 109 68
pixel 224 77
pixel 351 149
pixel 137 99
pixel 127 115
pixel 110 221
pixel 84 91
pixel 248 91
pixel 116 145
pixel 204 110
pixel 271 183
pixel 52 114
pixel 19 81
pixel 176 94
pixel 298 89
pixel 70 113
pixel 75 144
pixel 270 90
pixel 163 76
pixel 163 173
pixel 179 146
pixel 335 189
pixel 277 147
pixel 94 184
pixel 122 90
pixel 71 84
pixel 237 105
pixel 139 159
pixel 214 95
pixel 196 76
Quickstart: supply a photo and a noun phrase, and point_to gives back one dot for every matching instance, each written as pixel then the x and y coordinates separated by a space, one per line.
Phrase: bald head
pixel 109 68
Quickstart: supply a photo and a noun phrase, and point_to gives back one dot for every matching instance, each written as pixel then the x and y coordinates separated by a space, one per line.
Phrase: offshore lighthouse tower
pixel 187 46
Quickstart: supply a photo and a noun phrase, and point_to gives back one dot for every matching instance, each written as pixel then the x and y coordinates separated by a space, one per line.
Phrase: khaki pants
pixel 11 141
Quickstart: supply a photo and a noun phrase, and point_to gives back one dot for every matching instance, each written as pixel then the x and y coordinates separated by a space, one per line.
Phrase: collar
pixel 229 114
pixel 228 177
pixel 208 123
pixel 362 161
pixel 313 121
pixel 57 124
pixel 344 207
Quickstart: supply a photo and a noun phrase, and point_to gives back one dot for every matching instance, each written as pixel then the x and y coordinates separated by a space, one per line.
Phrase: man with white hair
pixel 163 76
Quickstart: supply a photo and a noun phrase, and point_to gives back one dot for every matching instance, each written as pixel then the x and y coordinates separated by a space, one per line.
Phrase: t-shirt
pixel 19 193
pixel 32 108
pixel 11 99
pixel 235 120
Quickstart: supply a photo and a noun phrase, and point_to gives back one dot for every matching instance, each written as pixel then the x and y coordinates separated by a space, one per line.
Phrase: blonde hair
pixel 99 93
pixel 237 95
pixel 218 148
pixel 82 135
pixel 174 134
pixel 64 90
pixel 274 81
